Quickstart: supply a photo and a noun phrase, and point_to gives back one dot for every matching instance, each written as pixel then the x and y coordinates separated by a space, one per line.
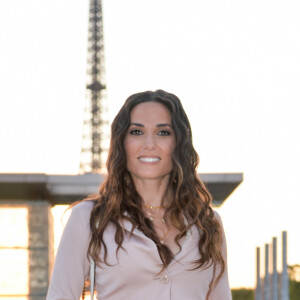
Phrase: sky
pixel 234 64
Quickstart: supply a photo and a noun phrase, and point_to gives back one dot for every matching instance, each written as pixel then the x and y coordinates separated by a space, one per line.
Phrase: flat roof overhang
pixel 65 189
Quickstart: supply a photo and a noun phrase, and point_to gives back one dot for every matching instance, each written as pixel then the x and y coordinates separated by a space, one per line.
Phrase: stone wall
pixel 41 250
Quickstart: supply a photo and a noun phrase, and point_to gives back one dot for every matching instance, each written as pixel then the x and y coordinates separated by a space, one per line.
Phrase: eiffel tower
pixel 92 149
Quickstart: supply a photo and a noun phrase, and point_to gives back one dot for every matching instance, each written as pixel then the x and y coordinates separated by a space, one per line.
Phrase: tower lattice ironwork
pixel 92 150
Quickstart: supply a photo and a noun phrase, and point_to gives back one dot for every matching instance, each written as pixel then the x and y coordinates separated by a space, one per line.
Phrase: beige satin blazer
pixel 133 274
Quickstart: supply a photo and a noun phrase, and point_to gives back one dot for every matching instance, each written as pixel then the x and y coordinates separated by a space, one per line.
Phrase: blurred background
pixel 235 66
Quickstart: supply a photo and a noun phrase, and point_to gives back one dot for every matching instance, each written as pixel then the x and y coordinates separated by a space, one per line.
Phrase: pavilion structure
pixel 33 196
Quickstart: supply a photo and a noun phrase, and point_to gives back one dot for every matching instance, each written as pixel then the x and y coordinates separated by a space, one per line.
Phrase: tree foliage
pixel 242 294
pixel 294 284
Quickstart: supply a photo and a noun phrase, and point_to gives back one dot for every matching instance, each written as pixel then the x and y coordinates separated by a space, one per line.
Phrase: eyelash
pixel 135 132
pixel 164 133
pixel 138 132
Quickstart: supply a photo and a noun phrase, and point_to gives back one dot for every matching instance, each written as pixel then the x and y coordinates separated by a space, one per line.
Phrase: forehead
pixel 150 112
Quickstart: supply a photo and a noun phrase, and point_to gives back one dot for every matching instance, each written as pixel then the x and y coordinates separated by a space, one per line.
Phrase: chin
pixel 149 176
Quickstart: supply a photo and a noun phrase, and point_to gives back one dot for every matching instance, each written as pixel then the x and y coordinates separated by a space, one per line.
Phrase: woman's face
pixel 149 142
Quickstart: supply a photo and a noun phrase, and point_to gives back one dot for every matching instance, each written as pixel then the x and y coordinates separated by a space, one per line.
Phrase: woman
pixel 151 230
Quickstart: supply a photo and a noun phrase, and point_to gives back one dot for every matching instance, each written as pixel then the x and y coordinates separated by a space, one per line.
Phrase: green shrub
pixel 242 294
pixel 294 290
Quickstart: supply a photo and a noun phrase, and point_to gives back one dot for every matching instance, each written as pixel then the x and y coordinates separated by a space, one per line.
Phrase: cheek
pixel 128 145
pixel 169 148
pixel 131 148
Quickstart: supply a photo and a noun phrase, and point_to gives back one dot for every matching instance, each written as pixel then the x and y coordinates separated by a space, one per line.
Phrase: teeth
pixel 149 159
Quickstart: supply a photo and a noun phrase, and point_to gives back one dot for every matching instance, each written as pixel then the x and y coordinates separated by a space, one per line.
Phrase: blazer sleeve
pixel 71 266
pixel 222 289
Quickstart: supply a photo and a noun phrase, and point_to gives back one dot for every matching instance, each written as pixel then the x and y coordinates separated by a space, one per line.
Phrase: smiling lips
pixel 149 159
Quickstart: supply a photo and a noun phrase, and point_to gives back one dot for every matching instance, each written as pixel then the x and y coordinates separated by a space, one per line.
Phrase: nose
pixel 149 142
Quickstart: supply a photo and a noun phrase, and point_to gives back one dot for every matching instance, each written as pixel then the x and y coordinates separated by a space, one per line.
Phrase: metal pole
pixel 258 284
pixel 275 274
pixel 267 275
pixel 284 275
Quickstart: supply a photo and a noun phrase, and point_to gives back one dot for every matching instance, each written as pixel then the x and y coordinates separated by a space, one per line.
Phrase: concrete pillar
pixel 284 275
pixel 267 274
pixel 274 270
pixel 41 248
pixel 258 284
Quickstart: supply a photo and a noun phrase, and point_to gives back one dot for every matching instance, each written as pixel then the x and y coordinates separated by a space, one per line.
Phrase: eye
pixel 135 132
pixel 164 132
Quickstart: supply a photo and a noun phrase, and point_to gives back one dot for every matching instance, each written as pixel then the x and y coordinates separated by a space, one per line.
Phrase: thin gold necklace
pixel 154 207
pixel 162 240
pixel 151 217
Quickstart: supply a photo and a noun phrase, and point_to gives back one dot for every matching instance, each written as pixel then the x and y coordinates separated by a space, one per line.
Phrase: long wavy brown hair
pixel 118 198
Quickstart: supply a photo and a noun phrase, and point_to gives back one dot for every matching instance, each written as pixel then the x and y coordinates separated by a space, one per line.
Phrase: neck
pixel 153 192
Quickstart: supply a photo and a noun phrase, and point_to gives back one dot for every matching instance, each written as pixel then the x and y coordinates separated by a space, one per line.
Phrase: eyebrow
pixel 158 125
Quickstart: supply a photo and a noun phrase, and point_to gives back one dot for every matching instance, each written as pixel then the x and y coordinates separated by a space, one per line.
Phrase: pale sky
pixel 234 64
